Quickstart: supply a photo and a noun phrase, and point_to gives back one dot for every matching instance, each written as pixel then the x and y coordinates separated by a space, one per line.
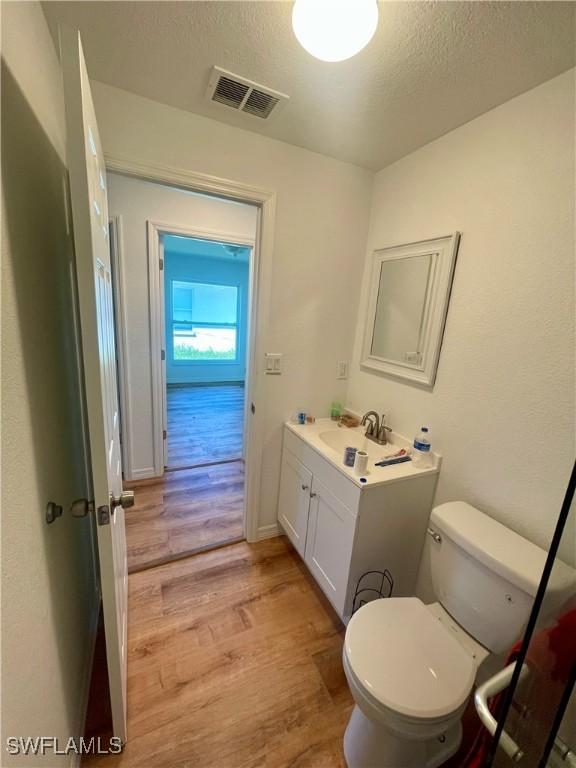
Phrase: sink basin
pixel 338 439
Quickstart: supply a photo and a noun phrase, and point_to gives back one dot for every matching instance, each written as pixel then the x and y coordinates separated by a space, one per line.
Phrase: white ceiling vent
pixel 244 95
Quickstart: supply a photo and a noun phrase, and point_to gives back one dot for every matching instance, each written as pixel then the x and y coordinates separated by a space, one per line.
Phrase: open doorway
pixel 206 298
pixel 185 430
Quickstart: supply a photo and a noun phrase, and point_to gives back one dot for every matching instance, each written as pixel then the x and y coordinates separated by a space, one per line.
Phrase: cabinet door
pixel 294 500
pixel 329 543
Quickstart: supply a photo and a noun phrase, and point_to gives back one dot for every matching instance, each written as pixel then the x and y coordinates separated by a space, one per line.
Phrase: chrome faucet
pixel 372 419
pixel 376 428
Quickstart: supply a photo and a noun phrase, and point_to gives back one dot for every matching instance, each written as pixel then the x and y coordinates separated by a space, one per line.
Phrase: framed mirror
pixel 407 306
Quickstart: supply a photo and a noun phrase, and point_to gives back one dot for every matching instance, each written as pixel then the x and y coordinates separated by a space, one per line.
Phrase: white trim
pixel 143 474
pixel 201 233
pixel 122 352
pixel 156 277
pixel 443 251
pixel 269 531
pixel 156 308
pixel 261 280
pixel 196 182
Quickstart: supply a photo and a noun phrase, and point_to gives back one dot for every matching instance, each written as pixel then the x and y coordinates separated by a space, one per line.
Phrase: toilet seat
pixel 404 660
pixel 407 728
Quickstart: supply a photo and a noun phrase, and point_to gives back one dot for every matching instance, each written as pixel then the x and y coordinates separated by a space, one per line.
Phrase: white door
pixel 294 500
pixel 329 543
pixel 90 219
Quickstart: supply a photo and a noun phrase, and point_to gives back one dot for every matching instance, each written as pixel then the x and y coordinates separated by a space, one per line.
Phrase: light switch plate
pixel 342 369
pixel 273 363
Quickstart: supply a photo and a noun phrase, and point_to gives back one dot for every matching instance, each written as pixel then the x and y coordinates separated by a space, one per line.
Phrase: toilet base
pixel 370 745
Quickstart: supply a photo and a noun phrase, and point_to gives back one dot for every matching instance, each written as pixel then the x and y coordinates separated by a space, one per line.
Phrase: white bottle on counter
pixel 421 452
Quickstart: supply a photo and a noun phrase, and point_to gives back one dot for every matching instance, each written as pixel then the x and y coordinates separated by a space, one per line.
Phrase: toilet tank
pixel 486 576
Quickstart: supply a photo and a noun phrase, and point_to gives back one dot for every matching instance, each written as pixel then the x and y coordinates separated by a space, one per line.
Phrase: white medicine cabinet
pixel 407 305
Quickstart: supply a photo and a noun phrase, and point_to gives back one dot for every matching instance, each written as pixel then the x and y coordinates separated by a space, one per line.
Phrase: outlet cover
pixel 342 369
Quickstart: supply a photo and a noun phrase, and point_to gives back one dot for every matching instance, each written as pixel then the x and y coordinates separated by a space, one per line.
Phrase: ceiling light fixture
pixel 334 30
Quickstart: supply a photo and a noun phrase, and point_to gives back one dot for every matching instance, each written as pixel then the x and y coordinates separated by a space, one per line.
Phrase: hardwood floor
pixel 205 424
pixel 184 511
pixel 234 661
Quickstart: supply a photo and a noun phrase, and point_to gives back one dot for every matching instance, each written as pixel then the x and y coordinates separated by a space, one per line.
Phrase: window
pixel 204 322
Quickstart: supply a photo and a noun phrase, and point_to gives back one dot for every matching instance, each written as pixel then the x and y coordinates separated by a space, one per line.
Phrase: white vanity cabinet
pixel 329 543
pixel 319 526
pixel 294 500
pixel 342 529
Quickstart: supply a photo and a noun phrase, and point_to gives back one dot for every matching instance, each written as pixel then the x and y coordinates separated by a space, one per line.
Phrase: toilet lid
pixel 405 659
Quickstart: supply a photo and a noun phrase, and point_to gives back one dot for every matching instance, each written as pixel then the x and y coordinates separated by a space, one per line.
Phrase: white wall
pixel 321 223
pixel 504 180
pixel 502 410
pixel 136 202
pixel 49 597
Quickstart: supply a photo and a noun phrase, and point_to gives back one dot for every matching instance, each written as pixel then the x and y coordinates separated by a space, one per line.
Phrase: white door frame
pixel 155 230
pixel 117 258
pixel 260 278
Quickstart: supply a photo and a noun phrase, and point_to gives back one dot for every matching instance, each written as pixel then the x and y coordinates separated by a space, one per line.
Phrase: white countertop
pixel 329 440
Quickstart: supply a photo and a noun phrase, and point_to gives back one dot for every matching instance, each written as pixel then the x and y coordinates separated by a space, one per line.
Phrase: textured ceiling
pixel 431 66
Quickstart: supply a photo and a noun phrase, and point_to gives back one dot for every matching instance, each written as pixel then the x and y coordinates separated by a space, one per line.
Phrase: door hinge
pixel 161 263
pixel 103 515
pixel 164 434
pixel 563 751
pixel 163 355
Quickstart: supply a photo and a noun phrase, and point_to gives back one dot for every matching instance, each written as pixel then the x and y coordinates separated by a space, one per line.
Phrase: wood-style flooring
pixel 184 511
pixel 234 661
pixel 205 424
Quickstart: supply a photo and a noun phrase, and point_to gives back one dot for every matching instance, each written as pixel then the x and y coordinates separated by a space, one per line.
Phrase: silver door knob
pixel 125 500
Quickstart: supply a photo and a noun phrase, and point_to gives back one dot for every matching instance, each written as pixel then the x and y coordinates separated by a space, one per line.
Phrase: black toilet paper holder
pixel 365 594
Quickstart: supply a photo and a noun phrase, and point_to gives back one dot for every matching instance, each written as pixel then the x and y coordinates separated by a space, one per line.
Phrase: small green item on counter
pixel 335 411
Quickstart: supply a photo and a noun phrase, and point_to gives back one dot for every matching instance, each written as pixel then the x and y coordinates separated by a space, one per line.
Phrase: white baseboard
pixel 268 532
pixel 142 474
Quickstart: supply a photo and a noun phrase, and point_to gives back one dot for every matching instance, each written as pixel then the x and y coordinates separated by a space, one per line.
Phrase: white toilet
pixel 411 667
